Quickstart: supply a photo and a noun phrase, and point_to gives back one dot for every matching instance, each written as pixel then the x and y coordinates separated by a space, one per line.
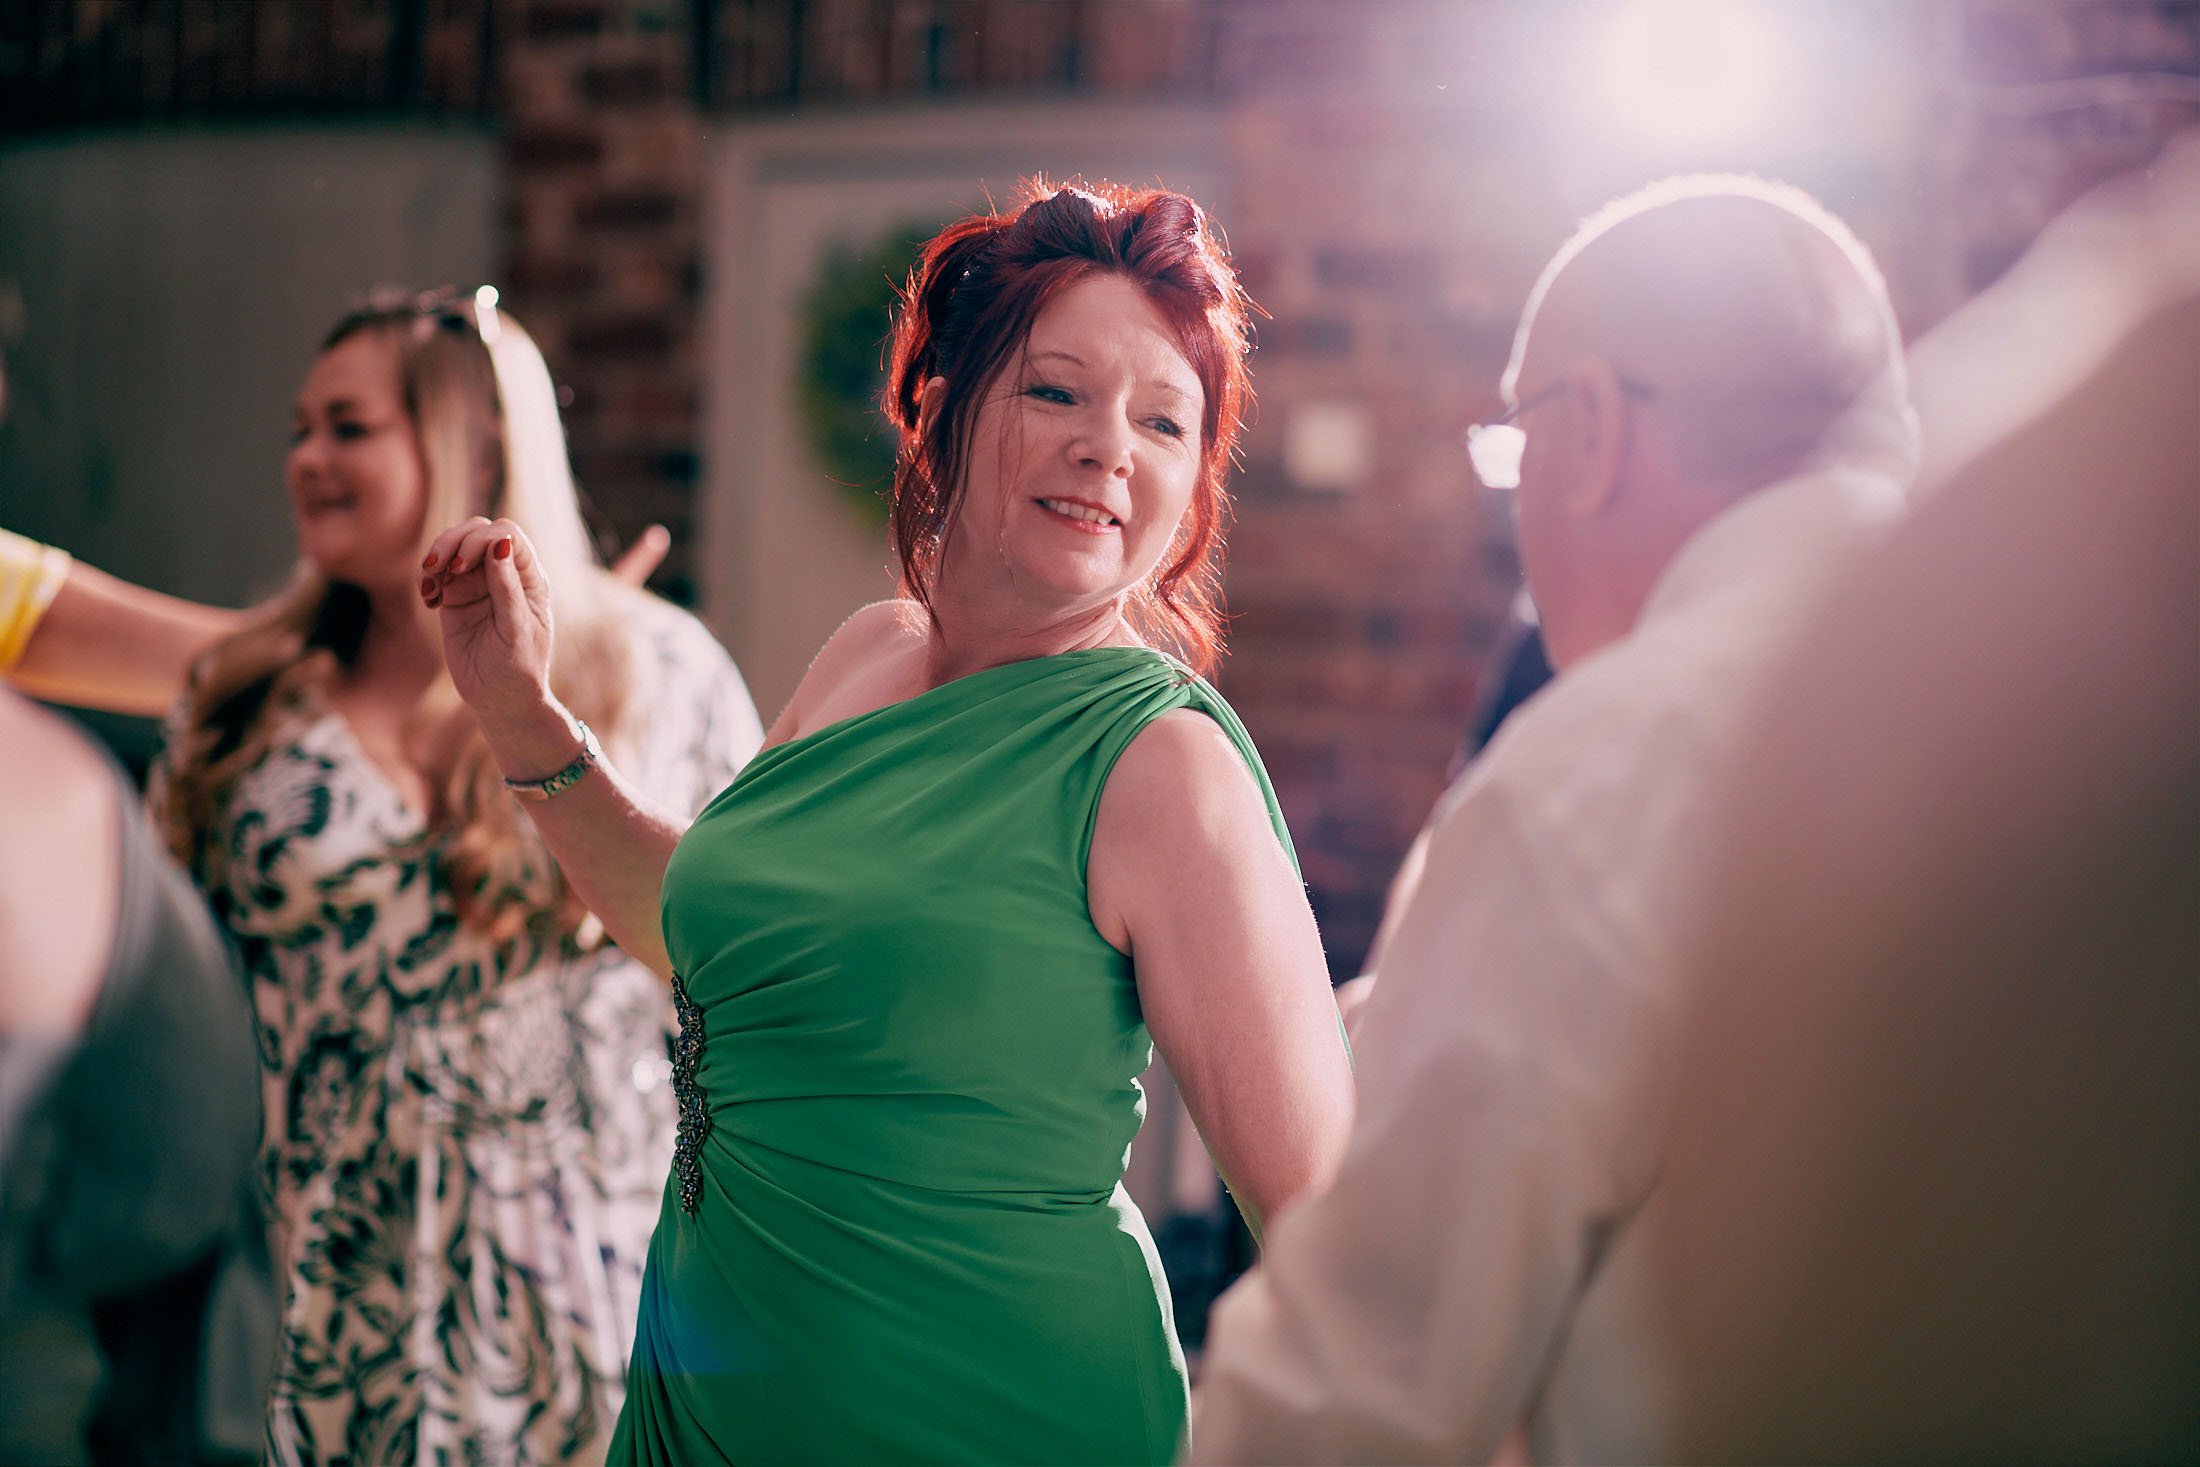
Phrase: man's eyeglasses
pixel 1495 448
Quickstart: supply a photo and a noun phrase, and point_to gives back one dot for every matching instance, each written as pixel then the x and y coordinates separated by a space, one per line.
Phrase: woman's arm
pixel 1187 876
pixel 493 602
pixel 611 842
pixel 111 644
pixel 106 643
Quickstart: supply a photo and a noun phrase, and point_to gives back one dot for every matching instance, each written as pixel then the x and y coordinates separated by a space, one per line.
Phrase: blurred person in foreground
pixel 1710 382
pixel 128 1107
pixel 1002 845
pixel 128 1104
pixel 468 1114
pixel 1934 1189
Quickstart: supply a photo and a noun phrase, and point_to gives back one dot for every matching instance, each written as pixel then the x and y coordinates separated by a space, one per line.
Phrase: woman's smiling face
pixel 358 487
pixel 1083 456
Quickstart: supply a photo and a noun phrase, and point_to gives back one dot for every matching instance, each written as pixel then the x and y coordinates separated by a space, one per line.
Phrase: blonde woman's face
pixel 358 487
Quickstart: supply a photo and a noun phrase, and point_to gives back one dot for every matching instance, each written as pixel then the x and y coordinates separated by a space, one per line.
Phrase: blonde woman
pixel 467 1120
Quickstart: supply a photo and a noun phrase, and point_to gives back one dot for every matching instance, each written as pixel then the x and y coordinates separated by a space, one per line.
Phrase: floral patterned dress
pixel 466 1140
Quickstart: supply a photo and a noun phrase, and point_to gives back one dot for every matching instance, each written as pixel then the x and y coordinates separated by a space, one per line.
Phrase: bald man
pixel 1710 386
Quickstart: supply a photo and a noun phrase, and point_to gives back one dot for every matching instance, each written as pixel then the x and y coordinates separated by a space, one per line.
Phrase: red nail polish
pixel 504 549
pixel 458 563
pixel 429 563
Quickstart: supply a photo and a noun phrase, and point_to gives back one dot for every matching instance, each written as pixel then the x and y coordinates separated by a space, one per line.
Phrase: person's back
pixel 1936 1173
pixel 128 1089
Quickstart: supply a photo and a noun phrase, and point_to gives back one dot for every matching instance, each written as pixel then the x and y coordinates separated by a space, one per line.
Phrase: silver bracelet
pixel 564 779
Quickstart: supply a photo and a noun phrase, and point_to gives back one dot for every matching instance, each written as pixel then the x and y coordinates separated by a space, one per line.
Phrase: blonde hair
pixel 481 402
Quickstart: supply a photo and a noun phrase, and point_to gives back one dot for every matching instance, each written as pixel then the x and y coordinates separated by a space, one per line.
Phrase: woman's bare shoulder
pixel 874 634
pixel 893 622
pixel 1182 767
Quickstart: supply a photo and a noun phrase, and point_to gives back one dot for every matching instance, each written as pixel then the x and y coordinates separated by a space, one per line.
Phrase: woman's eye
pixel 351 431
pixel 1168 427
pixel 1047 393
pixel 297 434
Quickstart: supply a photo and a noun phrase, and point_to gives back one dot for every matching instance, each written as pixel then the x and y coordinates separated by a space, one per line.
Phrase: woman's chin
pixel 1074 578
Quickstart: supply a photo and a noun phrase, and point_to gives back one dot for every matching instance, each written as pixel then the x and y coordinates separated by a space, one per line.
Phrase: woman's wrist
pixel 531 744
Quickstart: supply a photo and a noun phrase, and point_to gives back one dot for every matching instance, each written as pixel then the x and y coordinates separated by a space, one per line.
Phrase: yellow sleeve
pixel 30 577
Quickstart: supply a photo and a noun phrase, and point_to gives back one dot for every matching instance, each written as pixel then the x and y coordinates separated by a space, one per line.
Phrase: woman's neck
pixel 964 639
pixel 400 654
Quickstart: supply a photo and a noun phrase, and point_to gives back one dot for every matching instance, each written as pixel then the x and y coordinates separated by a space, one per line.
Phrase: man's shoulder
pixel 1608 765
pixel 1612 717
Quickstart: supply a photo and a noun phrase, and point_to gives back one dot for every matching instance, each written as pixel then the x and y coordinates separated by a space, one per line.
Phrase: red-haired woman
pixel 999 845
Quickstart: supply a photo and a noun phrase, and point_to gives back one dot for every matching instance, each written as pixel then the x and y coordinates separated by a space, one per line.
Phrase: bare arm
pixel 1410 1312
pixel 610 842
pixel 1186 874
pixel 109 644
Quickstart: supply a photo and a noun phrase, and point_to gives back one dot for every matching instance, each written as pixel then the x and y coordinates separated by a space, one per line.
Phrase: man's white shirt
pixel 1510 1056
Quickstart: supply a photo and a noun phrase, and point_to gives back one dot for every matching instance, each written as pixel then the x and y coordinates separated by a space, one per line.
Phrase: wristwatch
pixel 564 779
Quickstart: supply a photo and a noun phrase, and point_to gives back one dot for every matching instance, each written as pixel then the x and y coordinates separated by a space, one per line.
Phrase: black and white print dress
pixel 466 1140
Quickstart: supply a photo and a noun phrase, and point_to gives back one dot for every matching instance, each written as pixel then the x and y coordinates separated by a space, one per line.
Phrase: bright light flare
pixel 485 314
pixel 1689 71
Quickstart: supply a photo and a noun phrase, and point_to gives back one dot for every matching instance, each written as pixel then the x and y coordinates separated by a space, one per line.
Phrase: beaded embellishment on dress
pixel 687 1052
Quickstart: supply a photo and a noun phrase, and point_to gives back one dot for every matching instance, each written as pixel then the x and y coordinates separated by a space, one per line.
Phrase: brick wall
pixel 603 146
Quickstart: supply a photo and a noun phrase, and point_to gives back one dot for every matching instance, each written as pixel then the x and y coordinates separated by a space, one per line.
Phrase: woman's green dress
pixel 895 1229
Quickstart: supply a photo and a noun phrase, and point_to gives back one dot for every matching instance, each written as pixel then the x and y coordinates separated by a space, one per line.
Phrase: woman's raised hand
pixel 484 580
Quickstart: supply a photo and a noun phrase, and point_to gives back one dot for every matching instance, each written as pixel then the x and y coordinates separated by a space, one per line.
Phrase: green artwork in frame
pixel 845 317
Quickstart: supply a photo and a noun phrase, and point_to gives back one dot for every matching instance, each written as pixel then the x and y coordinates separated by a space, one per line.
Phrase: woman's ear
pixel 930 400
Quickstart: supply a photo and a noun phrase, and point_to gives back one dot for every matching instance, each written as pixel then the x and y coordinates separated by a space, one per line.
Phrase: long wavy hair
pixel 479 397
pixel 969 305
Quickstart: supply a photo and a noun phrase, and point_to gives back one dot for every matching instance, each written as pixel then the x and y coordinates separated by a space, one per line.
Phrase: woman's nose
pixel 1104 442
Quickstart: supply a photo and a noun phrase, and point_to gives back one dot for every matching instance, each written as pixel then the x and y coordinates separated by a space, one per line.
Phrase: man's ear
pixel 1599 413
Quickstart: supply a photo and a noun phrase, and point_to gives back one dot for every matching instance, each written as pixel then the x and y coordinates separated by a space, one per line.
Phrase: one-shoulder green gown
pixel 895 1229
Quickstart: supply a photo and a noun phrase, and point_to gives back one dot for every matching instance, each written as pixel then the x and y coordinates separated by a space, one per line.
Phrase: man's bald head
pixel 1755 317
